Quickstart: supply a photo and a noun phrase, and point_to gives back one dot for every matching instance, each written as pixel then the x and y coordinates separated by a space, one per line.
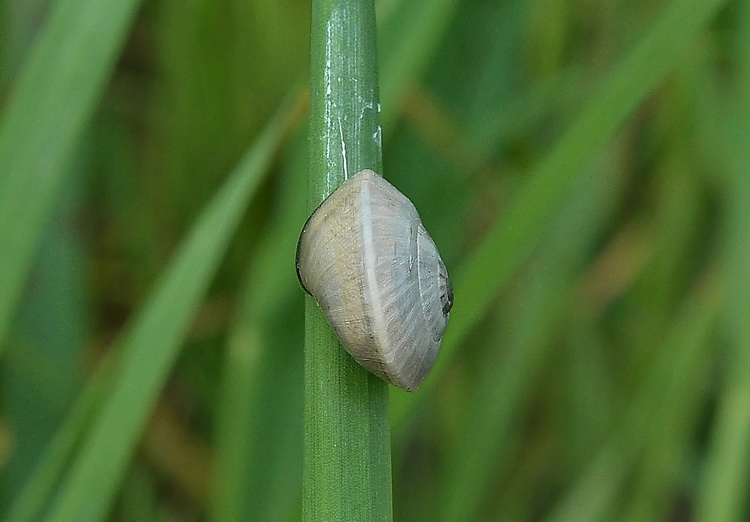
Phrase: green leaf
pixel 513 237
pixel 257 468
pixel 151 345
pixel 55 95
pixel 679 364
pixel 56 457
pixel 723 493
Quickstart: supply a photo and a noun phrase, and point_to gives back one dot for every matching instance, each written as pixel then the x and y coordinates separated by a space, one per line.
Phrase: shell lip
pixel 299 242
pixel 297 254
pixel 448 296
pixel 307 222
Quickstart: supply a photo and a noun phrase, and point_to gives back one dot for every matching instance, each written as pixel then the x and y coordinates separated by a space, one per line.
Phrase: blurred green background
pixel 153 358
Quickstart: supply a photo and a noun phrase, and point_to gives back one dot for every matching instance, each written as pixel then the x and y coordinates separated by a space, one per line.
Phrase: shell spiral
pixel 368 261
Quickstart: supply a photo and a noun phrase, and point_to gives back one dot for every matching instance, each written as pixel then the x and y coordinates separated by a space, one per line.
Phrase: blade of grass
pixel 661 472
pixel 681 359
pixel 37 491
pixel 346 463
pixel 258 409
pixel 410 37
pixel 258 469
pixel 502 392
pixel 42 370
pixel 54 97
pixel 723 493
pixel 674 222
pixel 20 21
pixel 511 239
pixel 151 345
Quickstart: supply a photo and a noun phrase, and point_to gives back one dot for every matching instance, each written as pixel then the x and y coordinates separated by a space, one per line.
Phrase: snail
pixel 371 266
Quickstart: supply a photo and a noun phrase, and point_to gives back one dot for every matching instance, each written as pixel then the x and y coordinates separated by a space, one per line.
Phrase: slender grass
pixel 673 373
pixel 37 491
pixel 42 371
pixel 54 96
pixel 508 243
pixel 504 389
pixel 409 42
pixel 665 457
pixel 150 348
pixel 257 471
pixel 346 464
pixel 723 495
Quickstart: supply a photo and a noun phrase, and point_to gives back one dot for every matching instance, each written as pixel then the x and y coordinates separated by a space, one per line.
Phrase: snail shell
pixel 368 261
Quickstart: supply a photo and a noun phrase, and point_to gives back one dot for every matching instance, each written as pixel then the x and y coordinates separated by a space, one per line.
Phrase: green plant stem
pixel 347 440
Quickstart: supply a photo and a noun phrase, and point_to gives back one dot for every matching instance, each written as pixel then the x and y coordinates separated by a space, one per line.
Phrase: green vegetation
pixel 347 454
pixel 582 167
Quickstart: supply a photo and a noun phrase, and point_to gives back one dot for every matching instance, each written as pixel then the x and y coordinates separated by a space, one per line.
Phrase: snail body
pixel 368 261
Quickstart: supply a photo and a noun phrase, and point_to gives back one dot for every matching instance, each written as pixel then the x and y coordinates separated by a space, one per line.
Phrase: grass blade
pixel 681 360
pixel 503 391
pixel 38 490
pixel 512 238
pixel 723 495
pixel 54 97
pixel 409 39
pixel 151 346
pixel 257 470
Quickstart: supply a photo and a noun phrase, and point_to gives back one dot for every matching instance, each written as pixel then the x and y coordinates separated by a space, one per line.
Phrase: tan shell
pixel 376 273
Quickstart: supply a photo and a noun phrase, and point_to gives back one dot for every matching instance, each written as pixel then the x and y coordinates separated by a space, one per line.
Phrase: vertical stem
pixel 347 440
